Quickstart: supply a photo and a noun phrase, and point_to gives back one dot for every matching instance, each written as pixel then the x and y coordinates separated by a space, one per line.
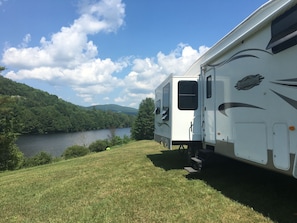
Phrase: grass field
pixel 143 182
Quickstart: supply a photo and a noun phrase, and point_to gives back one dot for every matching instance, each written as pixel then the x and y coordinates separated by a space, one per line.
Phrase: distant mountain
pixel 115 108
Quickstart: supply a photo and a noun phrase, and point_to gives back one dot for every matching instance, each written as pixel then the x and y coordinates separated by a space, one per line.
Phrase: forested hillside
pixel 37 112
pixel 115 108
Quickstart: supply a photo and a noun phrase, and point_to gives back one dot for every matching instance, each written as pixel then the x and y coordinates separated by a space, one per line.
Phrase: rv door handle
pixel 191 127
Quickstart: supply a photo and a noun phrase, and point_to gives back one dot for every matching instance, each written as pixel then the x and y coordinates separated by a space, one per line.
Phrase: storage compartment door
pixel 281 150
pixel 251 142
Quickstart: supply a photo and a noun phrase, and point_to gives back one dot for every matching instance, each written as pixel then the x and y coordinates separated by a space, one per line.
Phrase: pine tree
pixel 143 127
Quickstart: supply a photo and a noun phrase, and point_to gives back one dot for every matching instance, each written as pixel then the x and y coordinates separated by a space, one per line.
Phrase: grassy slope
pixel 140 182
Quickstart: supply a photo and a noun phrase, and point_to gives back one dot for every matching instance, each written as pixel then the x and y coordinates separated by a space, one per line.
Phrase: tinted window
pixel 166 98
pixel 208 87
pixel 158 107
pixel 284 31
pixel 187 95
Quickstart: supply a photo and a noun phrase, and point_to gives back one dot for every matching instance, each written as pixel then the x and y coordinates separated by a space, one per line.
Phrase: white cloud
pixel 69 58
pixel 26 40
pixel 146 74
pixel 180 59
pixel 106 15
pixel 70 46
pixel 2 2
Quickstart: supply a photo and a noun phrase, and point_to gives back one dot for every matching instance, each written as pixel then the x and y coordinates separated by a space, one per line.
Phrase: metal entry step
pixel 198 161
pixel 190 169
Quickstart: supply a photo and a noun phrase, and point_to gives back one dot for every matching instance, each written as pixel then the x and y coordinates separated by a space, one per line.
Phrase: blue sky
pixel 90 52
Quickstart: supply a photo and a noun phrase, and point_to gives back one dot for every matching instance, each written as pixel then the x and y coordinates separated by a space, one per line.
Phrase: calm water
pixel 55 144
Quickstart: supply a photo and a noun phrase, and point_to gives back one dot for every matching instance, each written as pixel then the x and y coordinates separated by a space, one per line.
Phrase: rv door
pixel 188 101
pixel 209 107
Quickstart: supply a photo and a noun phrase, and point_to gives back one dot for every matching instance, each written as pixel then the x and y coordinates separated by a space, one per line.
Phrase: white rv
pixel 247 94
pixel 176 110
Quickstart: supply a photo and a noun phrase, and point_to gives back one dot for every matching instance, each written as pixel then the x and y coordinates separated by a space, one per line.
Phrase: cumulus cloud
pixel 146 74
pixel 70 46
pixel 69 58
pixel 105 15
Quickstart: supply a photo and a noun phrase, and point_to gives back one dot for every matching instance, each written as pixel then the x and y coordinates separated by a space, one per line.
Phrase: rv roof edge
pixel 251 24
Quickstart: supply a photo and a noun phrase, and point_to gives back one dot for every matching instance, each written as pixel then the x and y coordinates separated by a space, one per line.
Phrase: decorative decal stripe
pixel 231 59
pixel 292 82
pixel 289 80
pixel 237 56
pixel 290 101
pixel 288 85
pixel 163 123
pixel 223 107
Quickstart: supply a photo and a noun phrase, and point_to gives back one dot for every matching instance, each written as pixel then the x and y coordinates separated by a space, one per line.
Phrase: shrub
pixel 101 145
pixel 98 145
pixel 39 159
pixel 75 151
pixel 126 139
pixel 43 158
pixel 116 140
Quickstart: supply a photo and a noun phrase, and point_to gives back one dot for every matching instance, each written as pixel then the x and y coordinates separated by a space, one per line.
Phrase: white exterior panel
pixel 182 125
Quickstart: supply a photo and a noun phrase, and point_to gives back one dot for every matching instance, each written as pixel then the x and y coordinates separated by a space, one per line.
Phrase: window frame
pixel 284 31
pixel 158 107
pixel 187 98
pixel 209 86
pixel 166 102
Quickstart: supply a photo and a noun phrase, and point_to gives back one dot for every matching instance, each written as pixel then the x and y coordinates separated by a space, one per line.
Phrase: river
pixel 55 144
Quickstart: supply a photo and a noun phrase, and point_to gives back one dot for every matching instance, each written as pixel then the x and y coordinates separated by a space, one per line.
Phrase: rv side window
pixel 166 98
pixel 208 87
pixel 187 95
pixel 284 31
pixel 158 107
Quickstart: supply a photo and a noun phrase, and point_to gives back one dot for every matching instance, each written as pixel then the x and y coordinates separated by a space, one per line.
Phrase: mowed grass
pixel 143 182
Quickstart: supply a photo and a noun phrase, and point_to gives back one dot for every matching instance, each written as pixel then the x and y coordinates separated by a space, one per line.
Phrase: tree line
pixel 38 112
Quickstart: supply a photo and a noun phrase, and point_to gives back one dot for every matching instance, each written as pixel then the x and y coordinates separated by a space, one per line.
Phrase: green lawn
pixel 143 182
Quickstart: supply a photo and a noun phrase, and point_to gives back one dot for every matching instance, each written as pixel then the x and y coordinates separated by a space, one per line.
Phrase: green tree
pixel 10 155
pixel 143 126
pixel 2 68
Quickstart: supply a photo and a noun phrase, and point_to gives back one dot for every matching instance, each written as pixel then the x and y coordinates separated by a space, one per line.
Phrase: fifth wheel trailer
pixel 246 92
